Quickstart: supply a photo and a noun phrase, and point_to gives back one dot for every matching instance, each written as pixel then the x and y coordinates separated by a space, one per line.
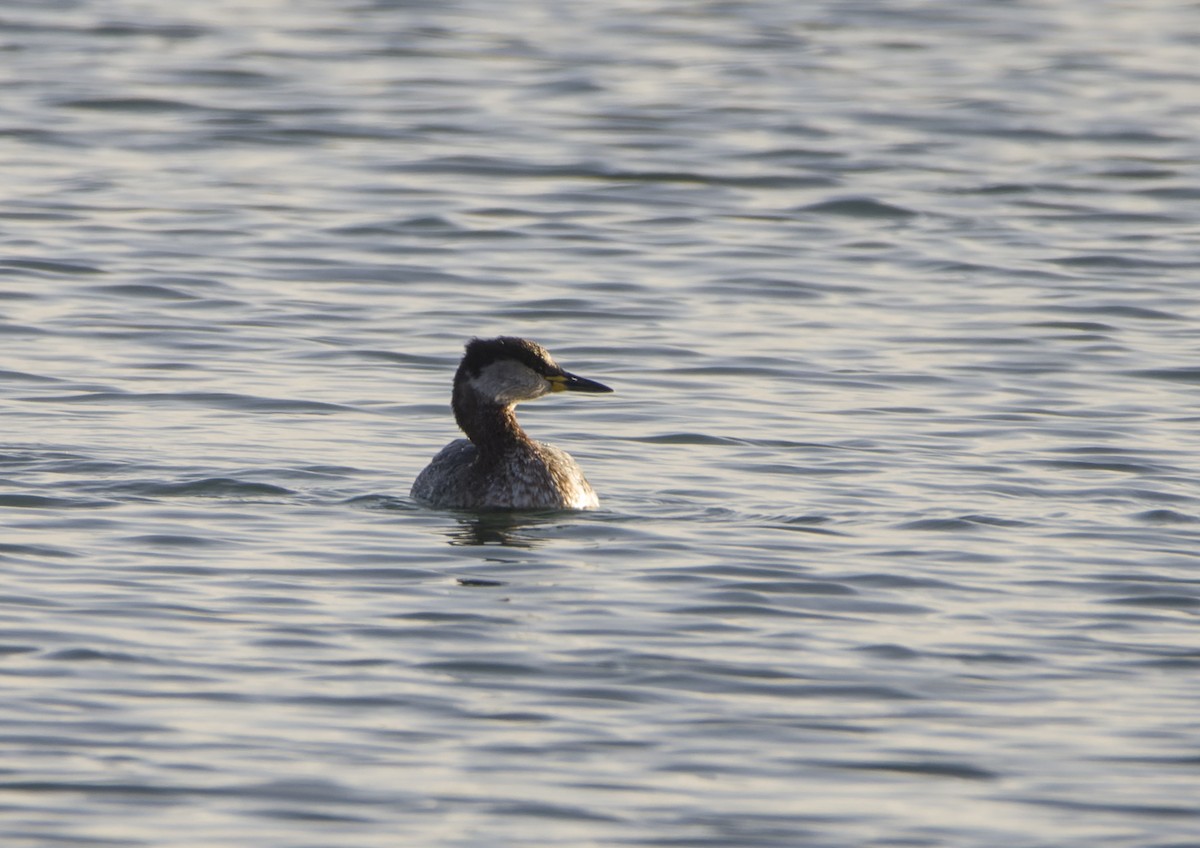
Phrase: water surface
pixel 899 525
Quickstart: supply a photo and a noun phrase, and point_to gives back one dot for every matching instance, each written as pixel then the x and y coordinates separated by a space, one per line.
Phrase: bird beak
pixel 567 382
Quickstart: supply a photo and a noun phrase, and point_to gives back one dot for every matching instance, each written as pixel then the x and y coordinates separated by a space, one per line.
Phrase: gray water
pixel 899 538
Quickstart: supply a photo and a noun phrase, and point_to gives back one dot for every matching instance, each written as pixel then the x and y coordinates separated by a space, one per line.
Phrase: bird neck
pixel 491 426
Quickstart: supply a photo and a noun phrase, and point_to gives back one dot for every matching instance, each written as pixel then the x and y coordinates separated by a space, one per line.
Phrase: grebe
pixel 498 466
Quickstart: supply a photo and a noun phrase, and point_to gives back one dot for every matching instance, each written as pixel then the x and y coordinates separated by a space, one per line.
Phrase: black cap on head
pixel 483 352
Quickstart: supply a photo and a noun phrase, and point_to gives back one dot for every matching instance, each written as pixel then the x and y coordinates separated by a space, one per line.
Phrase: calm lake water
pixel 899 538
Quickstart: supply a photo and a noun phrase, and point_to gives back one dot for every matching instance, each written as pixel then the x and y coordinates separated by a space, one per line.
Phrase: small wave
pixel 1177 602
pixel 543 810
pixel 1150 811
pixel 390 356
pixel 1173 375
pixel 803 528
pixel 1080 326
pixel 172 540
pixel 149 292
pixel 384 502
pixel 8 551
pixel 942 524
pixel 858 207
pixel 130 104
pixel 1095 465
pixel 1124 311
pixel 94 655
pixel 790 290
pixel 903 581
pixel 688 439
pixel 46 502
pixel 926 768
pixel 48 267
pixel 1165 516
pixel 210 487
pixel 217 400
pixel 482 667
pixel 21 376
pixel 716 611
pixel 311 816
pixel 1112 260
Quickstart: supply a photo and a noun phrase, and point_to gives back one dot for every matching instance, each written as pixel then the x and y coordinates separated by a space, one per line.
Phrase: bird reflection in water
pixel 503 529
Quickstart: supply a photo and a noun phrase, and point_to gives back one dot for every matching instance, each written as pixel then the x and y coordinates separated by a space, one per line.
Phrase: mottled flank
pixel 498 466
pixel 541 477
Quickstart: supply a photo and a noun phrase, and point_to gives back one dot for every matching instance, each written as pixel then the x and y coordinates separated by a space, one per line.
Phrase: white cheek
pixel 510 382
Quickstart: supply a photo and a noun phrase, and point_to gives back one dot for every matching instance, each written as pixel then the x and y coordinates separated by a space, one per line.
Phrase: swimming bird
pixel 498 466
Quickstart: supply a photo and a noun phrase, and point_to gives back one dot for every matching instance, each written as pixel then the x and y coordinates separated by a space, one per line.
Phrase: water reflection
pixel 508 529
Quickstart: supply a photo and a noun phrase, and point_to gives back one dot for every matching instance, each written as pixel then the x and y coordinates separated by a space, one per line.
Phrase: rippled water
pixel 900 522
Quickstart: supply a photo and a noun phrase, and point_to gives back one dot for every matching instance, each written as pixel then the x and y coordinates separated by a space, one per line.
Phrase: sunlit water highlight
pixel 899 524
